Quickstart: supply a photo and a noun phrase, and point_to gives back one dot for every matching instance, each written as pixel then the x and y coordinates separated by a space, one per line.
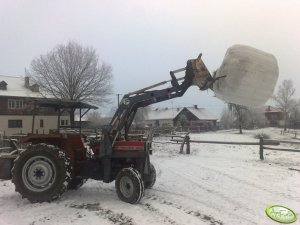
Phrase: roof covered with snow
pixel 16 87
pixel 171 113
pixel 163 113
pixel 201 113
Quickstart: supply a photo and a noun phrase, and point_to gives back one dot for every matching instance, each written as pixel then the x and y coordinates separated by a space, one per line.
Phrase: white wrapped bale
pixel 251 76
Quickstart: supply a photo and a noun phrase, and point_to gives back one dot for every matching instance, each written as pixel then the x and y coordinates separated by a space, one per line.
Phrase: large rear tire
pixel 41 173
pixel 129 185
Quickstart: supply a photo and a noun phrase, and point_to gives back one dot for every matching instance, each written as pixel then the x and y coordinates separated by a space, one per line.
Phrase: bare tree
pixel 242 117
pixel 227 119
pixel 72 72
pixel 256 118
pixel 284 99
pixel 240 112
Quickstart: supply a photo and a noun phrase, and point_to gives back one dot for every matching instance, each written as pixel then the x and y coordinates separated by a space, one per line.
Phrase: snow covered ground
pixel 214 185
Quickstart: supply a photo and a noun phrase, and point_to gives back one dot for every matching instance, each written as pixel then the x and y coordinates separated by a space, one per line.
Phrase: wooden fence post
pixel 181 146
pixel 185 139
pixel 188 149
pixel 261 148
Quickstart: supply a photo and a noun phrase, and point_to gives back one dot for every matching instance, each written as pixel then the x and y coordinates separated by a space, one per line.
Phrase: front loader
pixel 53 163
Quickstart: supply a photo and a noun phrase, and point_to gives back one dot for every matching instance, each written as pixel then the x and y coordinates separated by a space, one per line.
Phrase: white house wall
pixel 50 123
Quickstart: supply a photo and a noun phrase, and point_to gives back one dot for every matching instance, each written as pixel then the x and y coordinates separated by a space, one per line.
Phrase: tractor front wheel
pixel 41 173
pixel 129 185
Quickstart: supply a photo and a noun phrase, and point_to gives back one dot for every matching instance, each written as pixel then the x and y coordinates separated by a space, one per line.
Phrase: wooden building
pixel 192 118
pixel 274 116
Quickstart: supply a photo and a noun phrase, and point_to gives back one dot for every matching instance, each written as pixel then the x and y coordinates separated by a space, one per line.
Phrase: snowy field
pixel 214 185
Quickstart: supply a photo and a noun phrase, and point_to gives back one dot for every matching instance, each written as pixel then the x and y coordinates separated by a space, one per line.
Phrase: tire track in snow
pixel 229 211
pixel 245 182
pixel 114 218
pixel 211 191
pixel 211 206
pixel 163 218
pixel 195 213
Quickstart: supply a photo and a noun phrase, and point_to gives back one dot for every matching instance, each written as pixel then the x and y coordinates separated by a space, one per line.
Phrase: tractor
pixel 53 163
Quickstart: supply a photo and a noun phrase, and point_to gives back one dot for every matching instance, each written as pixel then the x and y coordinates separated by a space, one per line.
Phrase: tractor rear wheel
pixel 41 173
pixel 129 185
pixel 151 178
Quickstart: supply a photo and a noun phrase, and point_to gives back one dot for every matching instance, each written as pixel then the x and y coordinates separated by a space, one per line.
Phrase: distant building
pixel 17 97
pixel 274 116
pixel 192 118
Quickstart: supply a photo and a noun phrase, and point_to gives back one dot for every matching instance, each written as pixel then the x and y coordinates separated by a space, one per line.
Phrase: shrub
pixel 264 135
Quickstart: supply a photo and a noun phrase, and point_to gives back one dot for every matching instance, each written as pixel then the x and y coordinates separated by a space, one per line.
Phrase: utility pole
pixel 118 95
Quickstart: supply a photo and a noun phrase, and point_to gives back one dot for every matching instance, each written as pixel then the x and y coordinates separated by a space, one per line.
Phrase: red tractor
pixel 53 163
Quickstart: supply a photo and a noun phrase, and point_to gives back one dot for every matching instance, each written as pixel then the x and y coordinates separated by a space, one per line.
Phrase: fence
pixel 262 143
pixel 295 132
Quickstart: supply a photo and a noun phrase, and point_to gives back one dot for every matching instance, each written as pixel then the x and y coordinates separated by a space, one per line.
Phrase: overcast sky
pixel 144 40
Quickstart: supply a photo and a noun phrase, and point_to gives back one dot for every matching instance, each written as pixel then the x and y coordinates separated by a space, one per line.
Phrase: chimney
pixel 27 82
pixel 35 88
pixel 195 106
pixel 3 85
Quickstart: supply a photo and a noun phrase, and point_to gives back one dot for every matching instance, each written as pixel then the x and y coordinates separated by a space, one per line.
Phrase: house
pixel 192 118
pixel 274 116
pixel 17 97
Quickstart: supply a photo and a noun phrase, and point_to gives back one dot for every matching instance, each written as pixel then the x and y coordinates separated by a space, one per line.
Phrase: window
pixel 64 122
pixel 15 103
pixel 14 123
pixel 41 123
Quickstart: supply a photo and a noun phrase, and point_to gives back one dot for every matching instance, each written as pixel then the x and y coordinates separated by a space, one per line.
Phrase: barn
pixel 193 118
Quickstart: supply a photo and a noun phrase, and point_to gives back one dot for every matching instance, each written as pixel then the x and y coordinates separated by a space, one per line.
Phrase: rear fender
pixel 71 144
pixel 51 139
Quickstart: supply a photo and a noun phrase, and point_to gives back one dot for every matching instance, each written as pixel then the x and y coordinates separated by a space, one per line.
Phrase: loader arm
pixel 196 73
